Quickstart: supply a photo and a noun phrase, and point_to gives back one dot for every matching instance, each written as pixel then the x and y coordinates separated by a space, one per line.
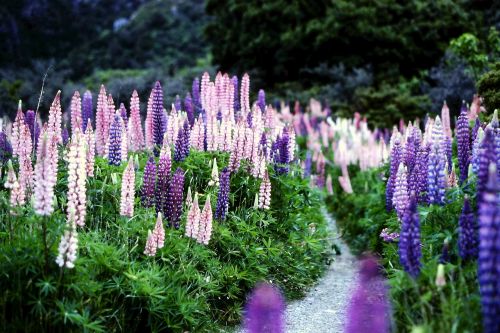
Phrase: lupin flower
pixel 189 198
pixel 265 192
pixel 148 183
pixel 174 198
pixel 77 178
pixel 476 147
pixel 17 129
pixel 90 139
pixel 400 199
pixel 17 190
pixel 159 125
pixel 87 110
pixel 396 157
pixel 389 236
pixel 261 100
pixel 55 117
pixel 463 144
pixel 128 190
pixel 33 126
pixel 214 177
pixel 195 91
pixel 205 229
pixel 135 135
pixel 177 103
pixel 369 309
pixel 265 310
pixel 409 240
pixel 65 136
pixel 162 182
pixel 151 245
pixel 102 122
pixel 76 112
pixel 244 95
pixel 475 129
pixel 193 219
pixel 489 252
pixel 234 82
pixel 115 142
pixel 5 148
pixel 307 164
pixel 223 196
pixel 448 153
pixel 68 245
pixel 467 232
pixel 188 105
pixel 148 124
pixel 486 156
pixel 45 174
pixel 445 117
pixel 182 143
pixel 436 177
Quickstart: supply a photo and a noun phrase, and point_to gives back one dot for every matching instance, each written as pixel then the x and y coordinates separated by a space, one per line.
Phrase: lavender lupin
pixel 467 232
pixel 115 140
pixel 87 110
pixel 489 252
pixel 436 178
pixel 174 199
pixel 178 103
pixel 65 136
pixel 265 310
pixel 148 184
pixel 396 156
pixel 486 155
pixel 447 145
pixel 409 240
pixel 5 148
pixel 463 144
pixel 369 307
pixel 30 120
pixel 123 113
pixel 223 197
pixel 307 164
pixel 188 105
pixel 234 81
pixel 195 90
pixel 261 100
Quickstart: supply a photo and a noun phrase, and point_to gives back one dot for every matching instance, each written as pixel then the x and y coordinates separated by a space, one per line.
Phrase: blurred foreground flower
pixel 264 311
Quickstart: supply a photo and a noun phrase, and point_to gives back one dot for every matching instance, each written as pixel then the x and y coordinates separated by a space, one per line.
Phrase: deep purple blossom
pixel 188 105
pixel 123 113
pixel 489 252
pixel 223 196
pixel 436 178
pixel 174 198
pixel 162 183
pixel 115 142
pixel 87 109
pixel 261 100
pixel 178 103
pixel 159 124
pixel 148 183
pixel 467 232
pixel 447 145
pixel 409 240
pixel 396 157
pixel 65 136
pixel 5 148
pixel 463 145
pixel 181 150
pixel 282 154
pixel 369 308
pixel 234 81
pixel 34 127
pixel 265 310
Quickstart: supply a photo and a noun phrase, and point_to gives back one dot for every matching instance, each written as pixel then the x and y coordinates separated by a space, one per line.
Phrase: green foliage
pixel 489 88
pixel 187 286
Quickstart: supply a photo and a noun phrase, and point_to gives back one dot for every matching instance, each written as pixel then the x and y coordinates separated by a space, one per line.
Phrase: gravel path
pixel 323 309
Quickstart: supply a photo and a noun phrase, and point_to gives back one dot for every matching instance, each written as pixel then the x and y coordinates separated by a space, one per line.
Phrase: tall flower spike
pixel 467 232
pixel 369 308
pixel 265 192
pixel 159 126
pixel 409 240
pixel 5 148
pixel 135 135
pixel 214 177
pixel 223 197
pixel 115 142
pixel 55 117
pixel 463 144
pixel 33 126
pixel 162 182
pixel 128 190
pixel 188 106
pixel 76 112
pixel 400 199
pixel 151 245
pixel 102 122
pixel 159 232
pixel 261 100
pixel 148 183
pixel 193 219
pixel 87 110
pixel 445 116
pixel 90 139
pixel 174 199
pixel 396 156
pixel 148 125
pixel 68 245
pixel 265 310
pixel 77 178
pixel 205 230
pixel 45 174
pixel 486 156
pixel 489 252
pixel 123 113
pixel 436 176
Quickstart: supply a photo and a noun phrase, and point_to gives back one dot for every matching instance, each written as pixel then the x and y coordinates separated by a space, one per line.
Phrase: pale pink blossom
pixel 55 117
pixel 205 230
pixel 76 112
pixel 265 192
pixel 151 245
pixel 102 122
pixel 45 173
pixel 135 135
pixel 77 178
pixel 90 140
pixel 128 190
pixel 193 219
pixel 68 245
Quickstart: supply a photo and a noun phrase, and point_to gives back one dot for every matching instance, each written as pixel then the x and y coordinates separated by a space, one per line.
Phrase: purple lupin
pixel 115 142
pixel 87 110
pixel 489 252
pixel 265 310
pixel 486 155
pixel 369 308
pixel 467 232
pixel 237 108
pixel 261 100
pixel 178 103
pixel 159 124
pixel 123 114
pixel 188 105
pixel 174 198
pixel 30 121
pixel 463 144
pixel 396 156
pixel 5 148
pixel 148 183
pixel 162 183
pixel 195 90
pixel 409 240
pixel 436 180
pixel 223 196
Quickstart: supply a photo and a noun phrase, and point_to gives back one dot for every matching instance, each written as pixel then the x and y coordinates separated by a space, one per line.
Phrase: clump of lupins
pixel 489 251
pixel 409 240
pixel 265 310
pixel 369 309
